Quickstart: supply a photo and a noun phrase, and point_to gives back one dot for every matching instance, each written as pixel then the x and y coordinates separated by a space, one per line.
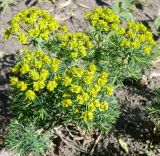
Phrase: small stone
pixel 5 152
pixel 147 141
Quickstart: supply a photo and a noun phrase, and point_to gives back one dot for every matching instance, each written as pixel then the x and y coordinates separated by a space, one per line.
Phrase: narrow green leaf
pixel 157 22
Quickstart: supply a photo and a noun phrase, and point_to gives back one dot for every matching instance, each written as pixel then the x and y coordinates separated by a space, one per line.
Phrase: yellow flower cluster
pixel 36 68
pixel 32 23
pixel 78 43
pixel 83 89
pixel 136 35
pixel 103 19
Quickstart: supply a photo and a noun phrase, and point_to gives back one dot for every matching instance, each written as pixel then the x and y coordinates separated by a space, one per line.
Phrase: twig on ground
pixel 70 132
pixel 95 143
pixel 64 4
pixel 104 1
pixel 59 18
pixel 67 142
pixel 78 138
pixel 84 6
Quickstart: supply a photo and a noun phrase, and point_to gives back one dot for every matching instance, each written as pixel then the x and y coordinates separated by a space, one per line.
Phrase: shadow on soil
pixel 6 62
pixel 135 120
pixel 31 2
pixel 134 123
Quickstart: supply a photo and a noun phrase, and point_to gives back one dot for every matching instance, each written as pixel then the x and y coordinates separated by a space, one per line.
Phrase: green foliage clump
pixel 52 89
pixel 123 50
pixel 68 78
pixel 32 25
pixel 55 80
pixel 26 140
pixel 125 9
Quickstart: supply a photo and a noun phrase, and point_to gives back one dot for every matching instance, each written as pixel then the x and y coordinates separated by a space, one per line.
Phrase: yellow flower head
pixel 125 43
pixel 34 75
pixel 58 78
pixel 85 96
pixel 30 95
pixel 25 68
pixel 44 74
pixel 65 95
pixel 46 59
pixel 66 103
pixel 92 68
pixel 22 38
pixel 33 32
pixel 13 80
pixel 22 86
pixel 77 42
pixel 51 85
pixel 91 107
pixel 76 88
pixel 96 103
pixel 109 90
pixel 88 79
pixel 39 24
pixel 64 28
pixel 67 81
pixel 79 72
pixel 87 116
pixel 103 106
pixel 7 34
pixel 55 64
pixel 135 44
pixel 102 81
pixel 97 87
pixel 147 49
pixel 15 27
pixel 74 55
pixel 38 64
pixel 28 57
pixel 93 92
pixel 15 69
pixel 121 31
pixel 38 85
pixel 142 27
pixel 76 110
pixel 80 99
pixel 103 19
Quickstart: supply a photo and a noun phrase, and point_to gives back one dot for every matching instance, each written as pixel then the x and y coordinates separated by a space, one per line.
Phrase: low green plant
pixel 125 9
pixel 26 139
pixel 68 78
pixel 124 50
pixel 53 82
pixel 157 23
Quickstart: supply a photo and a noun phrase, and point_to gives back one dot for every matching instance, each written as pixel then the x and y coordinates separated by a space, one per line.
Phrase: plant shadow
pixel 133 124
pixel 31 2
pixel 135 119
pixel 6 62
pixel 103 2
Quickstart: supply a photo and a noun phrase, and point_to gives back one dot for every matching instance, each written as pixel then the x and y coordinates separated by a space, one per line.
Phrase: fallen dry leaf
pixel 123 145
pixel 2 53
pixel 61 5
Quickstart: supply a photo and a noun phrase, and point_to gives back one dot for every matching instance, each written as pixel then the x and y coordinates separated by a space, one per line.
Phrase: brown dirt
pixel 134 125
